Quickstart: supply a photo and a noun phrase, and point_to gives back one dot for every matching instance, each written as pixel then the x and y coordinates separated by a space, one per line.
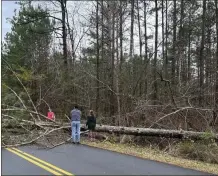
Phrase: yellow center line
pixel 34 162
pixel 42 162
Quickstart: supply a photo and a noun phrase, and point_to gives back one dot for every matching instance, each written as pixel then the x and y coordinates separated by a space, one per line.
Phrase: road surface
pixel 82 160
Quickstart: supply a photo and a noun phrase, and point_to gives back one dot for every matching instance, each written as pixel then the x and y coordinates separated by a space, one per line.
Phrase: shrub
pixel 204 150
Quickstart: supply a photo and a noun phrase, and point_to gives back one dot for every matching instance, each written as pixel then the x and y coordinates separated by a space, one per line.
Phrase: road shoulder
pixel 151 154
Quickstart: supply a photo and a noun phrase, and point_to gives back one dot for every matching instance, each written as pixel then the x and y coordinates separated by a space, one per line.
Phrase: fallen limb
pixel 172 113
pixel 22 123
pixel 15 74
pixel 25 143
pixel 60 143
pixel 26 110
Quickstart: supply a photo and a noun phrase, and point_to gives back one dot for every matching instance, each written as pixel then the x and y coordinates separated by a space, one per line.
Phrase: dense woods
pixel 135 63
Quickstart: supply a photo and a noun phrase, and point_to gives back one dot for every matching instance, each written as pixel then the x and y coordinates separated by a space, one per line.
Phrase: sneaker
pixel 78 142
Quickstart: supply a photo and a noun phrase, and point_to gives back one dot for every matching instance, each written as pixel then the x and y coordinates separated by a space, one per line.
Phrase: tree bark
pixel 121 35
pixel 131 130
pixel 155 55
pixel 64 38
pixel 189 50
pixel 181 59
pixel 140 46
pixel 152 132
pixel 163 40
pixel 97 58
pixel 117 69
pixel 201 59
pixel 112 107
pixel 139 26
pixel 146 46
pixel 208 61
pixel 166 45
pixel 120 85
pixel 132 26
pixel 216 82
pixel 71 34
pixel 174 45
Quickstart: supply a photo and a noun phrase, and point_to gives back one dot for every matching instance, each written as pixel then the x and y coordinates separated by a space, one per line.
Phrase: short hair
pixel 76 106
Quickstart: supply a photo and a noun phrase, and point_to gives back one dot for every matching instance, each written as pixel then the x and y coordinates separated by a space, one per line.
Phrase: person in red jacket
pixel 51 115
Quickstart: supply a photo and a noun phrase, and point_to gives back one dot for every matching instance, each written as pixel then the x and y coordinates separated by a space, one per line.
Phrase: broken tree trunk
pixel 152 132
pixel 136 131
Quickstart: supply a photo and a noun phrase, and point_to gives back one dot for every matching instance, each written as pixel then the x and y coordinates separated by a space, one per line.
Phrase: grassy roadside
pixel 155 155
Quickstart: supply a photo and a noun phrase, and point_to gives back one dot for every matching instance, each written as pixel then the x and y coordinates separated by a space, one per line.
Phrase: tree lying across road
pixel 147 65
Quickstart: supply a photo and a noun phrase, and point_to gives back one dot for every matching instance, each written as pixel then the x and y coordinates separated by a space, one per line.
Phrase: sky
pixel 8 8
pixel 82 9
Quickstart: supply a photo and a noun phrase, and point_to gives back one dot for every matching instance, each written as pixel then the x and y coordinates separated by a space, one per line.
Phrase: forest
pixel 136 63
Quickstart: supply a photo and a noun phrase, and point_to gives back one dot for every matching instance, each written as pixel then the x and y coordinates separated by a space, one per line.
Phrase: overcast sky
pixel 83 9
pixel 8 8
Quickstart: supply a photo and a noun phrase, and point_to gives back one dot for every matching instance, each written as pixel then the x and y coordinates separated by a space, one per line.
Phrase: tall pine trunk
pixel 132 28
pixel 163 40
pixel 117 77
pixel 97 60
pixel 121 57
pixel 146 60
pixel 174 45
pixel 181 59
pixel 216 82
pixel 201 56
pixel 139 27
pixel 140 46
pixel 121 35
pixel 189 49
pixel 155 55
pixel 166 45
pixel 112 107
pixel 64 34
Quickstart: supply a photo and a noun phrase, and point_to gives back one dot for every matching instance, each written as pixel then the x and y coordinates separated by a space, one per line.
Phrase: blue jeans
pixel 75 127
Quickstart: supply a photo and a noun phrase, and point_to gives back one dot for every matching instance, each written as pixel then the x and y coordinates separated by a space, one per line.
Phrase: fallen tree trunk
pixel 136 131
pixel 153 132
pixel 145 131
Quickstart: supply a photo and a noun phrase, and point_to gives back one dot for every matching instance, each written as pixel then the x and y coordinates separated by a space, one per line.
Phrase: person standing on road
pixel 91 123
pixel 75 115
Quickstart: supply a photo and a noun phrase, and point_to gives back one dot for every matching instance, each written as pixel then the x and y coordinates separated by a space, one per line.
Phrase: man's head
pixel 76 106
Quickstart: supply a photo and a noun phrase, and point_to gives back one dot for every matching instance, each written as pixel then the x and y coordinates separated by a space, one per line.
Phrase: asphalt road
pixel 82 160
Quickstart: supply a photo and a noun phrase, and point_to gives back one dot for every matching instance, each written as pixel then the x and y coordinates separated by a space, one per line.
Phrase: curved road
pixel 82 160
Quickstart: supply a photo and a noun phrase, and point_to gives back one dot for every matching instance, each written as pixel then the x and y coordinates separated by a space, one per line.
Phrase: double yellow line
pixel 47 166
